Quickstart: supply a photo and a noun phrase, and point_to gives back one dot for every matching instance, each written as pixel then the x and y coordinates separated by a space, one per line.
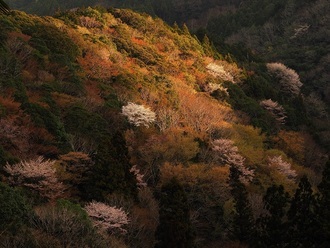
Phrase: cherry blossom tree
pixel 227 153
pixel 219 71
pixel 138 114
pixel 275 109
pixel 107 218
pixel 282 166
pixel 289 79
pixel 38 174
pixel 139 177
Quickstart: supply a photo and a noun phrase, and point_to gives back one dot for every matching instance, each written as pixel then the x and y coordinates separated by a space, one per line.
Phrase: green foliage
pixel 50 41
pixel 258 87
pixel 14 209
pixel 73 17
pixel 6 157
pixel 79 121
pixel 75 209
pixel 111 172
pixel 259 117
pixel 42 117
pixel 250 142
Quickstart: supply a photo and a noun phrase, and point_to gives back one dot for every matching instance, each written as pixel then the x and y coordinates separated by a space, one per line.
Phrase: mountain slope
pixel 118 103
pixel 293 32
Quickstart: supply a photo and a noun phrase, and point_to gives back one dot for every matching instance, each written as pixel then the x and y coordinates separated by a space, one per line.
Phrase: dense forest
pixel 118 129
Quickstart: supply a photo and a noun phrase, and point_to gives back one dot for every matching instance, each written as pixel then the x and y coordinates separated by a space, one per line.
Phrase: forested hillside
pixel 292 32
pixel 119 130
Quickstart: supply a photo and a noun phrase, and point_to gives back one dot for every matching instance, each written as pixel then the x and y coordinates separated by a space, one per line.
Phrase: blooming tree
pixel 139 177
pixel 282 166
pixel 38 174
pixel 275 109
pixel 107 218
pixel 219 71
pixel 289 79
pixel 227 153
pixel 138 114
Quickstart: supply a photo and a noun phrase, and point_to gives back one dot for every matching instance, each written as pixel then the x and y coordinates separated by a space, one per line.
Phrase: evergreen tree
pixel 302 216
pixel 14 210
pixel 243 224
pixel 185 29
pixel 272 229
pixel 176 27
pixel 174 230
pixel 111 172
pixel 324 209
pixel 207 46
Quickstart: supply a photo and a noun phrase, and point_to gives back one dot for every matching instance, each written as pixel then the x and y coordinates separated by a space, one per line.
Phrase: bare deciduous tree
pixel 38 174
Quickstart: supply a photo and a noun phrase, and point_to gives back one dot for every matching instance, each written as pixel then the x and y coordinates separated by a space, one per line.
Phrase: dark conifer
pixel 243 224
pixel 174 228
pixel 272 228
pixel 302 216
pixel 324 206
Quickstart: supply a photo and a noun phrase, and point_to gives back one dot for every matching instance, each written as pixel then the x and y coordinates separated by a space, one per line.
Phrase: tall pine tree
pixel 324 206
pixel 303 225
pixel 272 228
pixel 174 230
pixel 243 224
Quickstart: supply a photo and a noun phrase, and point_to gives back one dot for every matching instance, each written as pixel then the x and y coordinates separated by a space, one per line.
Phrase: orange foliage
pixel 31 70
pixel 93 93
pixel 201 111
pixel 139 41
pixel 213 179
pixel 9 105
pixel 174 145
pixel 15 35
pixel 63 100
pixel 292 143
pixel 96 65
pixel 36 97
pixel 160 47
